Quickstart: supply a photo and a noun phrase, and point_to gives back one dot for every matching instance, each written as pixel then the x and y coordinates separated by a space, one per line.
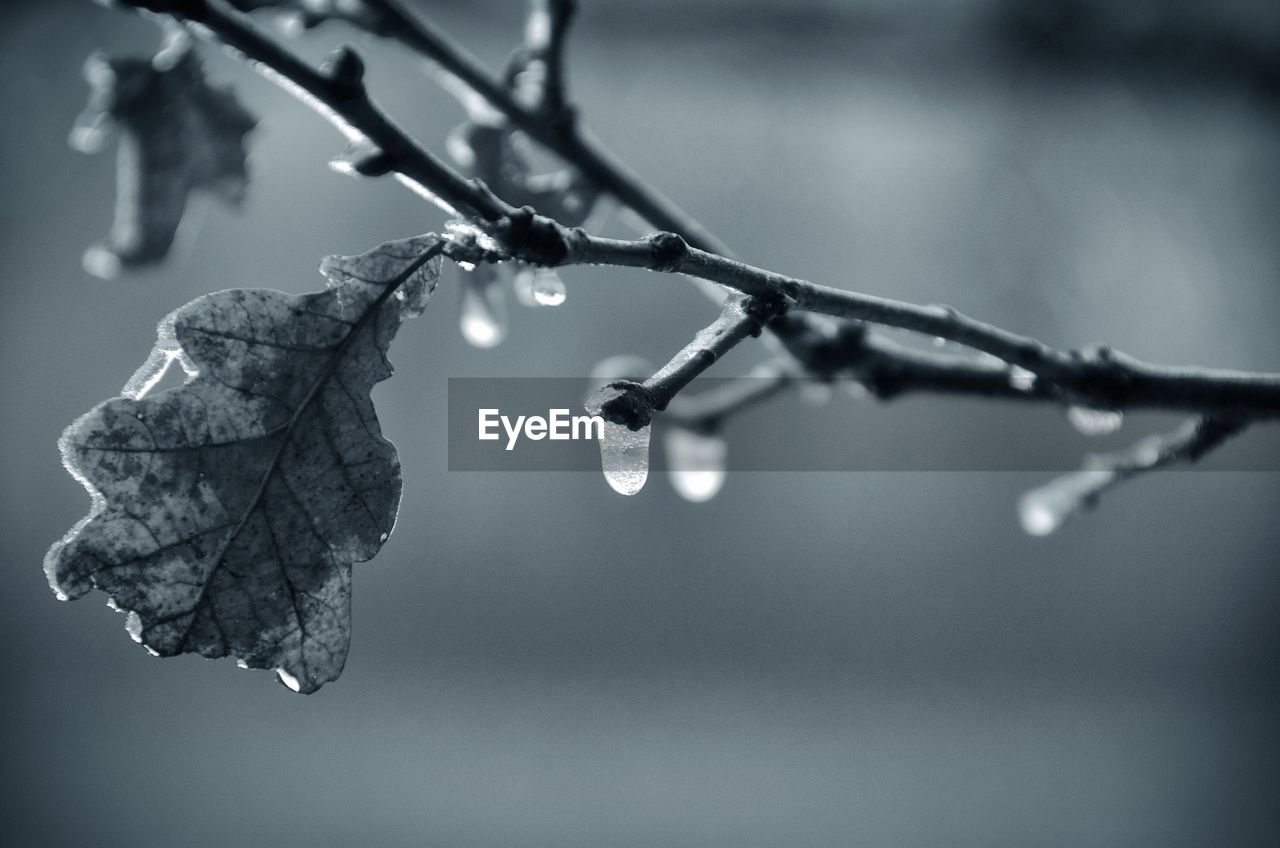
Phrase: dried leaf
pixel 177 134
pixel 227 512
pixel 490 153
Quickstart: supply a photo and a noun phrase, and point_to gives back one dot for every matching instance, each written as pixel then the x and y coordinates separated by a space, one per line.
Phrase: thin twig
pixel 1044 509
pixel 633 404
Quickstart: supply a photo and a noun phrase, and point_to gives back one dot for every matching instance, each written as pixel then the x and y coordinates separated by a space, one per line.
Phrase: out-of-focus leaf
pixel 177 134
pixel 227 512
pixel 490 152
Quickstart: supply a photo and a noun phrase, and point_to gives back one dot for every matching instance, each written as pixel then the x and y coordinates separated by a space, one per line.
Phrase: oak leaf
pixel 227 511
pixel 177 134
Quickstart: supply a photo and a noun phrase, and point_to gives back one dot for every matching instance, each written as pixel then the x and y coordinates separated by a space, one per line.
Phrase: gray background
pixel 808 659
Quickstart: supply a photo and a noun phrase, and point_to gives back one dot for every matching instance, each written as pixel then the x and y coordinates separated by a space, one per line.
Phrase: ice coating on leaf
pixel 227 512
pixel 697 463
pixel 386 264
pixel 177 134
pixel 153 370
pixel 1094 422
pixel 1042 511
pixel 483 315
pixel 624 457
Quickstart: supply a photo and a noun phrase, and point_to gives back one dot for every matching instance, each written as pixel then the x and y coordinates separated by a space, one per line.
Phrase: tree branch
pixel 1017 366
pixel 633 404
pixel 1044 509
pixel 564 137
pixel 1099 377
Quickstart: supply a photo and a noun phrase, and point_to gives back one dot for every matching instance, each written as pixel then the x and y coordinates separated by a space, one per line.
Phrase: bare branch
pixel 1098 377
pixel 633 404
pixel 1043 510
pixel 1021 367
pixel 564 137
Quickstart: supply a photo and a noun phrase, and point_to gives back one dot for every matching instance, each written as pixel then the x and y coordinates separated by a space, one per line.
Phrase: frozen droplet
pixel 133 624
pixel 459 149
pixel 855 389
pixel 1042 511
pixel 288 680
pixel 1039 515
pixel 483 317
pixel 91 132
pixel 621 366
pixel 291 24
pixel 697 463
pixel 102 262
pixel 1021 379
pixel 522 285
pixel 1095 422
pixel 150 650
pixel 547 287
pixel 624 457
pixel 815 392
pixel 383 536
pixel 139 416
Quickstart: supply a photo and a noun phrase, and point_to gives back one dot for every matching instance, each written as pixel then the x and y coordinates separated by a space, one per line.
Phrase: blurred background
pixel 808 659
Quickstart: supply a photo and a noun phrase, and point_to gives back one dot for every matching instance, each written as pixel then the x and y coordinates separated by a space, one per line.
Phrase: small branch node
pixel 668 251
pixel 624 402
pixel 345 69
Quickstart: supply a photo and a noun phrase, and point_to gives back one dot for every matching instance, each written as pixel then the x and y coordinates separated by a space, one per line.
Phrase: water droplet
pixel 522 285
pixel 547 287
pixel 140 416
pixel 483 317
pixel 382 537
pixel 622 366
pixel 624 457
pixel 101 262
pixel 343 166
pixel 1042 511
pixel 697 463
pixel 939 341
pixel 459 149
pixel 288 680
pixel 1039 515
pixel 1021 379
pixel 241 662
pixel 816 393
pixel 1095 422
pixel 855 389
pixel 291 24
